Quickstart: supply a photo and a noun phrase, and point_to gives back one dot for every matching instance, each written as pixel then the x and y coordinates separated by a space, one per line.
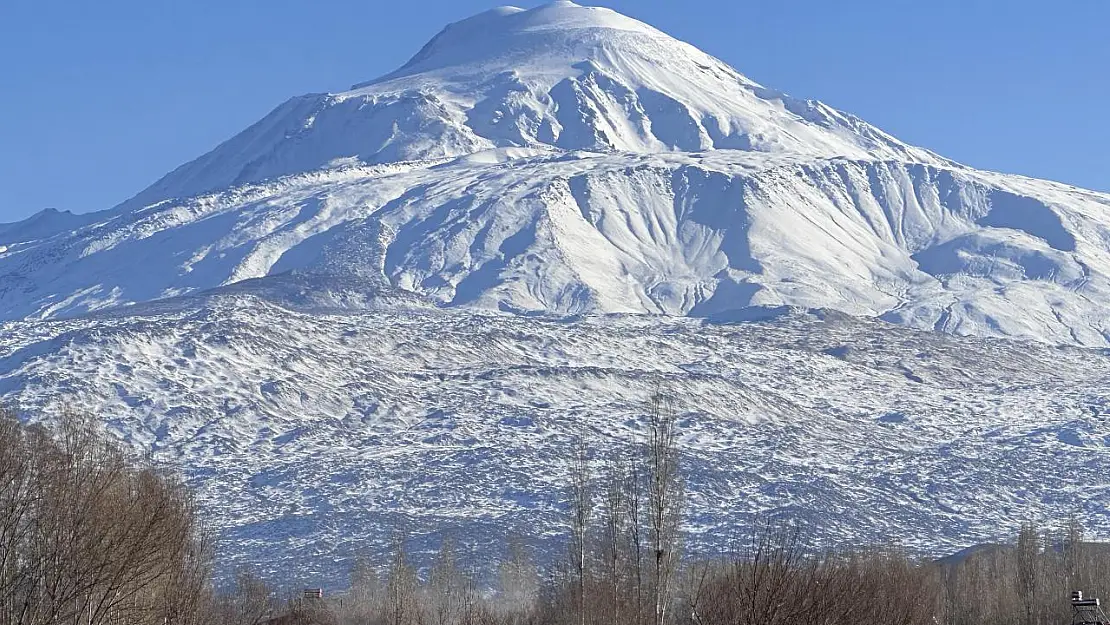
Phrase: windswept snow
pixel 569 159
pixel 311 434
pixel 559 76
pixel 577 232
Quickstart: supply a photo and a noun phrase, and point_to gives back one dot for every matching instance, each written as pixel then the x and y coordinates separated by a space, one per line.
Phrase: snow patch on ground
pixel 310 432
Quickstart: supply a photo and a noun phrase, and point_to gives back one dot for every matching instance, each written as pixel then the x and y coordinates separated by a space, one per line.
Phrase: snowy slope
pixel 311 435
pixel 681 234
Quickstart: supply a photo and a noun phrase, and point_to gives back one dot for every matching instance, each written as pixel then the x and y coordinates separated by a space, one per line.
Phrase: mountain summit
pixel 569 159
pixel 560 76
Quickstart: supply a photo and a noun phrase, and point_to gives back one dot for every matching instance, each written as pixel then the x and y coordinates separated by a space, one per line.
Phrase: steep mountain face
pixel 560 77
pixel 679 234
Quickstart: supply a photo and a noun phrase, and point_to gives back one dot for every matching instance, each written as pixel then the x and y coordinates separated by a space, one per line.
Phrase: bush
pixel 86 536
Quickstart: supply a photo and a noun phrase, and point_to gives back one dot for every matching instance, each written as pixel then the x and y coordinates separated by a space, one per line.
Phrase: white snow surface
pixel 569 159
pixel 398 304
pixel 311 434
pixel 560 76
pixel 697 234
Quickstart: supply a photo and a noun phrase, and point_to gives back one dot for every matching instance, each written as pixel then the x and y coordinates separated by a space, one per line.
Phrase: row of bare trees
pixel 1025 582
pixel 624 566
pixel 633 523
pixel 775 578
pixel 92 536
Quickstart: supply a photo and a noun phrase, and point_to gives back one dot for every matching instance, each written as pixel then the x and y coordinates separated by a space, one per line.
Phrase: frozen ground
pixel 311 434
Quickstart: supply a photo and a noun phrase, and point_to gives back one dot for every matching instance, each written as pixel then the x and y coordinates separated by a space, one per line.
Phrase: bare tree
pixel 364 600
pixel 402 586
pixel 665 494
pixel 451 597
pixel 581 508
pixel 519 584
pixel 1073 552
pixel 614 554
pixel 636 543
pixel 88 536
pixel 19 499
pixel 251 602
pixel 1029 570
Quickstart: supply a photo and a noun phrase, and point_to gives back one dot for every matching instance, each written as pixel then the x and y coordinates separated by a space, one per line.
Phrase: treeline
pixel 1026 581
pixel 773 579
pixel 89 536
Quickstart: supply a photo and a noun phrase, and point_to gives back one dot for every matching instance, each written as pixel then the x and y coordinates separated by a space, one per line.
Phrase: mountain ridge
pixel 332 221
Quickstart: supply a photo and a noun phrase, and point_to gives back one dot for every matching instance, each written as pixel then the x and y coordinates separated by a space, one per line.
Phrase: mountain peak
pixel 559 77
pixel 507 34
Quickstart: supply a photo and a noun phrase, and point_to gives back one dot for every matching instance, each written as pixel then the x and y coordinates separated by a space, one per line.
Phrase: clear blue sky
pixel 99 99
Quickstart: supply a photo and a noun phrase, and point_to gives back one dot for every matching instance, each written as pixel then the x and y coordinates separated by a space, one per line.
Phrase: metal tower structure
pixel 1086 611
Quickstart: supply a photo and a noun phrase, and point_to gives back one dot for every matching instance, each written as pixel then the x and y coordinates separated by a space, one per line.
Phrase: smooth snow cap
pixel 558 77
pixel 512 32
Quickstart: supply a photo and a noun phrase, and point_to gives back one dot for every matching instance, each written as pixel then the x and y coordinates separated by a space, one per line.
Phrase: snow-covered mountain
pixel 512 239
